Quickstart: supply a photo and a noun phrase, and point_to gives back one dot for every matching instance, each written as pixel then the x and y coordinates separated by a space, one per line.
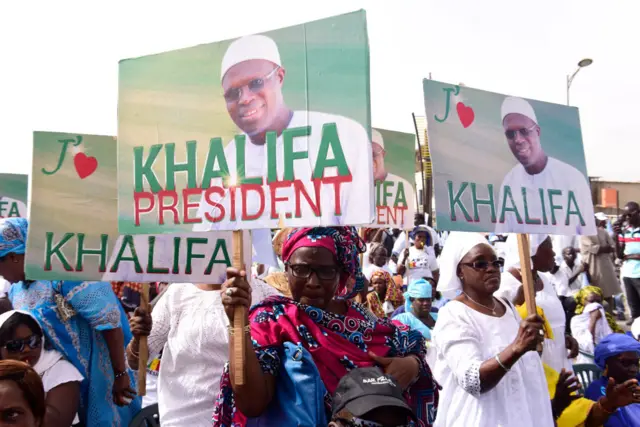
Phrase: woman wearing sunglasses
pixel 542 262
pixel 21 338
pixel 485 353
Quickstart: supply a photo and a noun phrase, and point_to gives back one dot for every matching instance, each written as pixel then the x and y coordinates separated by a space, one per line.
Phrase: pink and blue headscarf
pixel 613 345
pixel 343 242
pixel 13 236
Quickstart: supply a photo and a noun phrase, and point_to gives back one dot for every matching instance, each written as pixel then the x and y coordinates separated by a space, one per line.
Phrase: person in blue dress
pixel 618 357
pixel 82 320
pixel 417 304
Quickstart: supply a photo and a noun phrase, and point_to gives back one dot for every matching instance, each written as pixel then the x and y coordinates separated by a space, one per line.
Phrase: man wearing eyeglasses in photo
pixel 252 79
pixel 387 187
pixel 535 171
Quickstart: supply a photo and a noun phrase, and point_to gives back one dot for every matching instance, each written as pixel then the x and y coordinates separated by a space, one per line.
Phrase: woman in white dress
pixel 562 347
pixel 189 326
pixel 485 353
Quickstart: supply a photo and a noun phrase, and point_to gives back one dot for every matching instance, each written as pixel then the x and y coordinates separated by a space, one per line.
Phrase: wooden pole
pixel 528 285
pixel 362 296
pixel 239 315
pixel 143 348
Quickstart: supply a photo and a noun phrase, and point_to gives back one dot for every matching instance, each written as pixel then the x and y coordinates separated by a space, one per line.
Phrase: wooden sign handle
pixel 362 236
pixel 143 348
pixel 407 243
pixel 528 285
pixel 239 315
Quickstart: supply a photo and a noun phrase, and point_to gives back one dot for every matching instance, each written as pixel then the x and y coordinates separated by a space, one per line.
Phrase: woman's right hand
pixel 530 334
pixel 566 389
pixel 140 323
pixel 236 292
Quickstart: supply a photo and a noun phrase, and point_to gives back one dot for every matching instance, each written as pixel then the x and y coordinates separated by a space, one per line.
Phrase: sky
pixel 59 60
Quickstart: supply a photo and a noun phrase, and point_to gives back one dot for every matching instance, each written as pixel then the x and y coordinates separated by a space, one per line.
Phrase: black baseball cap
pixel 365 389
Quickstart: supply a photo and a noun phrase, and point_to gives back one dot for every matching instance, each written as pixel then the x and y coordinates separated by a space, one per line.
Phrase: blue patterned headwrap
pixel 613 345
pixel 418 289
pixel 13 236
pixel 348 247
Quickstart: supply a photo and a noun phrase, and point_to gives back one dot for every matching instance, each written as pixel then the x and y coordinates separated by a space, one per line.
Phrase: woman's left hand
pixel 123 394
pixel 403 369
pixel 572 345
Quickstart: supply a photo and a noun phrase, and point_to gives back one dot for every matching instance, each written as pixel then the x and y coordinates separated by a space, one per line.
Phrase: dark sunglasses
pixel 255 85
pixel 303 271
pixel 483 265
pixel 17 346
pixel 524 132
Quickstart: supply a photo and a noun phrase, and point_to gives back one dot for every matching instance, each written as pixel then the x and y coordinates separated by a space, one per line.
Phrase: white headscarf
pixel 48 358
pixel 457 246
pixel 512 255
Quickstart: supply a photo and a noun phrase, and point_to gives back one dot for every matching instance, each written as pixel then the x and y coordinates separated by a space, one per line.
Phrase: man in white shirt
pixel 389 188
pixel 566 280
pixel 561 242
pixel 558 196
pixel 252 78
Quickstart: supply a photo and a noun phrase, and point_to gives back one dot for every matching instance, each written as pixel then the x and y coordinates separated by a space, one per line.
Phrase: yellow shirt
pixel 577 412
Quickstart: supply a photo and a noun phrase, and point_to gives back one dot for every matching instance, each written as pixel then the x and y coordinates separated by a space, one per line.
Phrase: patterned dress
pixel 337 344
pixel 79 338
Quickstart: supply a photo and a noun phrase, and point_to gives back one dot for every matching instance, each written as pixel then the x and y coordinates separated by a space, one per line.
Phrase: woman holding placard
pixel 189 326
pixel 486 360
pixel 419 260
pixel 337 334
pixel 555 350
pixel 85 322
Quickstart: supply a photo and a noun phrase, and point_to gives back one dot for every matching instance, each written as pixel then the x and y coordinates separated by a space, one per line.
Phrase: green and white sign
pixel 240 133
pixel 73 231
pixel 394 178
pixel 14 191
pixel 505 164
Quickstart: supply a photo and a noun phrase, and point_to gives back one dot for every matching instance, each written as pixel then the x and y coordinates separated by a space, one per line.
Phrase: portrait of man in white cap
pixel 388 186
pixel 252 80
pixel 535 175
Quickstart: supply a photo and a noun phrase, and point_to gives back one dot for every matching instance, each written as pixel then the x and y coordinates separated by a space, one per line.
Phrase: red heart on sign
pixel 85 165
pixel 465 114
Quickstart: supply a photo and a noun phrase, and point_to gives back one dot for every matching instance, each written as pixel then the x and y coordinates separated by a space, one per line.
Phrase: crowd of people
pixel 377 328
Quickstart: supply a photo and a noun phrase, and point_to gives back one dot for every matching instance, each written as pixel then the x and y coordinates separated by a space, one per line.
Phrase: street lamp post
pixel 583 63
